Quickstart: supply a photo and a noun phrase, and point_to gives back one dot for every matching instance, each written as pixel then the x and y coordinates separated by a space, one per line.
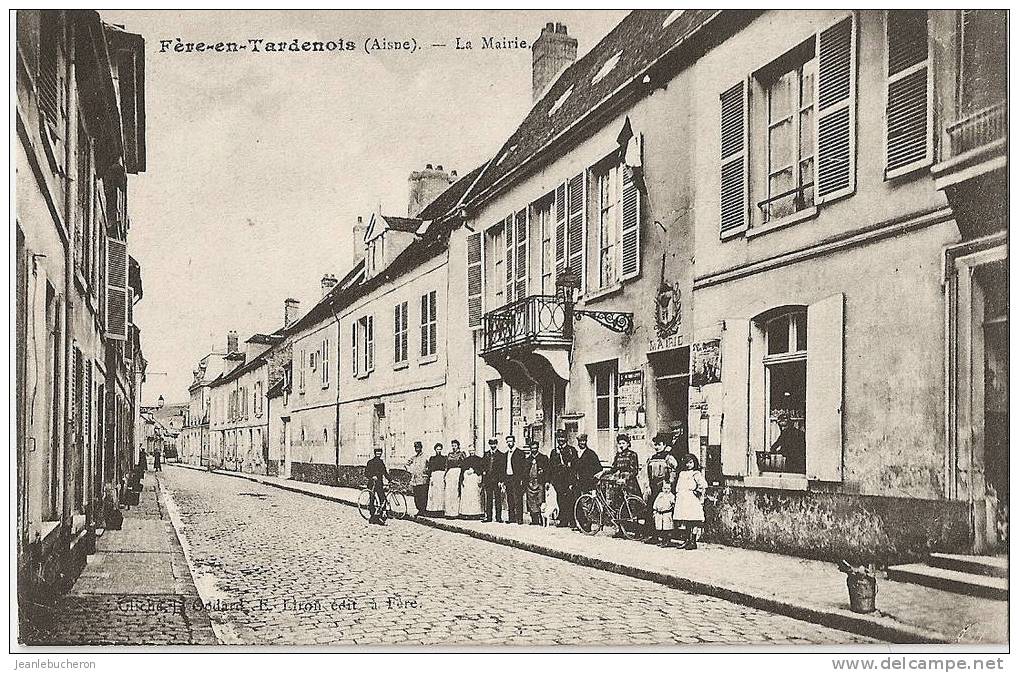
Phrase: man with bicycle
pixel 375 471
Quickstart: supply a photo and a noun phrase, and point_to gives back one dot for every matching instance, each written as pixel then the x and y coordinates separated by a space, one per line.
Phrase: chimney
pixel 551 52
pixel 425 185
pixel 290 308
pixel 360 229
pixel 328 282
pixel 231 341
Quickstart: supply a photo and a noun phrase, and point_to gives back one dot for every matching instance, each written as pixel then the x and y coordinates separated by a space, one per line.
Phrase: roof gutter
pixel 596 110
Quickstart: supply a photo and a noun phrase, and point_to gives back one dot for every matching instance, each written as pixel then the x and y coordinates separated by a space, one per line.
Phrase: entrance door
pixel 993 282
pixel 286 449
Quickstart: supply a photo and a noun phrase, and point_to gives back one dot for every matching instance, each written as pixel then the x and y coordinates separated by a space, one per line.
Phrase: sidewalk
pixel 805 589
pixel 135 590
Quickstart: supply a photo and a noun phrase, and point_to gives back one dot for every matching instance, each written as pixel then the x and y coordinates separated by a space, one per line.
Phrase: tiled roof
pixel 638 41
pixel 405 224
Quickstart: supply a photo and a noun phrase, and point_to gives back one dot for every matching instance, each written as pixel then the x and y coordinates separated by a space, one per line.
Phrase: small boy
pixel 663 506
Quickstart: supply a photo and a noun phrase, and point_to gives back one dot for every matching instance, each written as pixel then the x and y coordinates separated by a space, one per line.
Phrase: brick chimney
pixel 328 282
pixel 231 341
pixel 359 230
pixel 291 307
pixel 425 185
pixel 551 52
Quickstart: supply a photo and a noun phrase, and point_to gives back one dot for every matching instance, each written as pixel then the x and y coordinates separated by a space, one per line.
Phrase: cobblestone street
pixel 279 568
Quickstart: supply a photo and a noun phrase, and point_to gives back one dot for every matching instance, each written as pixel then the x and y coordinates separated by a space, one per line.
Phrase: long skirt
pixel 470 495
pixel 452 492
pixel 436 497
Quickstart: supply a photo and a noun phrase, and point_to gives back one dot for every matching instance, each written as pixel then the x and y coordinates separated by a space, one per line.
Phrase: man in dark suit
pixel 534 476
pixel 493 474
pixel 563 475
pixel 588 465
pixel 515 479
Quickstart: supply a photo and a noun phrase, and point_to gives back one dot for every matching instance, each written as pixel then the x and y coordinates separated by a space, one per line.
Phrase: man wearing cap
pixel 493 474
pixel 418 468
pixel 587 466
pixel 791 443
pixel 563 475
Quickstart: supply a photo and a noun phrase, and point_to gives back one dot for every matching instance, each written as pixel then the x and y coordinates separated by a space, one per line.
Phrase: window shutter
pixel 735 383
pixel 396 332
pixel 116 290
pixel 824 389
pixel 474 280
pixel 433 324
pixel 353 348
pixel 521 251
pixel 631 225
pixel 325 362
pixel 370 345
pixel 908 121
pixel 575 223
pixel 404 311
pixel 835 172
pixel 507 226
pixel 734 175
pixel 560 229
pixel 49 64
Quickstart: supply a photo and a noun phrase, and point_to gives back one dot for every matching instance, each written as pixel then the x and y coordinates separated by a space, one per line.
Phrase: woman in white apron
pixel 436 468
pixel 470 488
pixel 454 467
pixel 689 510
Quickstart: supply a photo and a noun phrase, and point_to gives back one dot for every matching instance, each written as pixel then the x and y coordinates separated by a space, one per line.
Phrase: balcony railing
pixel 979 129
pixel 531 321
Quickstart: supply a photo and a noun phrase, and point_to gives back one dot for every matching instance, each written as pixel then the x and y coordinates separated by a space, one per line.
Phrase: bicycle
pixel 394 505
pixel 593 508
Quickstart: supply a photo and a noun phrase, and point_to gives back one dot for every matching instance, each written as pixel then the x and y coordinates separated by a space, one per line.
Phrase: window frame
pixel 401 334
pixel 608 204
pixel 429 325
pixel 792 355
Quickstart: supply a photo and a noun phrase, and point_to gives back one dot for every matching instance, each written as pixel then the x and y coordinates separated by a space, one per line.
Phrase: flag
pixel 630 153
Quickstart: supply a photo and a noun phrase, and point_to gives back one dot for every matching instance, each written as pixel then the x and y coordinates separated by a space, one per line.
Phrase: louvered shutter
pixel 474 280
pixel 733 153
pixel 353 350
pixel 908 121
pixel 404 312
pixel 507 226
pixel 631 225
pixel 521 252
pixel 836 111
pixel 575 223
pixel 370 343
pixel 49 64
pixel 824 388
pixel 560 229
pixel 86 412
pixel 116 289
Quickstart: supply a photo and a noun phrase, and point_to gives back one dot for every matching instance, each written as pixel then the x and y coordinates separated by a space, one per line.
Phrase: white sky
pixel 259 163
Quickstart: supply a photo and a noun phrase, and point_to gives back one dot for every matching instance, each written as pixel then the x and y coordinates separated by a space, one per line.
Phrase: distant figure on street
pixel 143 460
pixel 493 474
pixel 436 482
pixel 690 489
pixel 157 460
pixel 516 479
pixel 791 443
pixel 563 475
pixel 588 465
pixel 454 467
pixel 536 476
pixel 418 468
pixel 375 472
pixel 470 487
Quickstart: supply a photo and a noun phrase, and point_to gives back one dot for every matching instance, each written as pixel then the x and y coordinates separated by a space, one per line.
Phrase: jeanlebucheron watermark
pixel 906 663
pixel 53 663
pixel 184 604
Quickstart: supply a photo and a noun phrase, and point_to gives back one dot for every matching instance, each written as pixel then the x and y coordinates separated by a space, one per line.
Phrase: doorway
pixel 992 281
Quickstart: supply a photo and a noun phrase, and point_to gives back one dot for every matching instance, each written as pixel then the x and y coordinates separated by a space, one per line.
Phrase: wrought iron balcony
pixel 538 320
pixel 979 129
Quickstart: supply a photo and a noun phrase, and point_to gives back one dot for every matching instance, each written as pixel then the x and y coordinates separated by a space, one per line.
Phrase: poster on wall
pixel 705 362
pixel 632 414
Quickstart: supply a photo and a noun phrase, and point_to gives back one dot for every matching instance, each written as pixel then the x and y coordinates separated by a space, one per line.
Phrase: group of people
pixel 521 481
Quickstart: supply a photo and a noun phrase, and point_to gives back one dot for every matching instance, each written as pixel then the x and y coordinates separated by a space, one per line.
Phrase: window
pixel 785 370
pixel 83 222
pixel 428 324
pixel 258 398
pixel 364 345
pixel 495 247
pixel 400 333
pixel 546 226
pixel 983 80
pixel 300 372
pixel 790 136
pixel 324 365
pixel 606 180
pixel 603 379
pixel 498 407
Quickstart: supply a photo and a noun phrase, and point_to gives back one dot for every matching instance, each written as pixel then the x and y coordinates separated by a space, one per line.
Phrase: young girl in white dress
pixel 689 510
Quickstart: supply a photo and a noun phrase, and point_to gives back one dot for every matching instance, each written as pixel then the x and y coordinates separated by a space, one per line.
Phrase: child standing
pixel 689 510
pixel 663 505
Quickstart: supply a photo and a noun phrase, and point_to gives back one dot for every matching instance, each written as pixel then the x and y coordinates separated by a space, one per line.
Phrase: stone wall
pixel 833 526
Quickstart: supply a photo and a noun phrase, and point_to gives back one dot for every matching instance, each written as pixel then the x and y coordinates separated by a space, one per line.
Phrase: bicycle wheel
pixel 397 505
pixel 364 502
pixel 634 518
pixel 588 514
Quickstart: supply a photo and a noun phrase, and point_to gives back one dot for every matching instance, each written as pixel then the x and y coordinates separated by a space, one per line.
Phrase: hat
pixel 418 445
pixel 493 441
pixel 623 437
pixel 560 433
pixel 662 438
pixel 582 435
